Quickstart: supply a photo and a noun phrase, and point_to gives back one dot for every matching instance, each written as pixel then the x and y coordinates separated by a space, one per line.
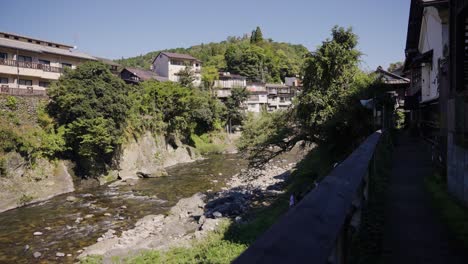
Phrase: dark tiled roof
pixel 391 78
pixel 179 56
pixel 145 74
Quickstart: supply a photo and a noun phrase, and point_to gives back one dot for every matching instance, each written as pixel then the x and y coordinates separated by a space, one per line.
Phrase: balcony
pixel 24 91
pixel 31 65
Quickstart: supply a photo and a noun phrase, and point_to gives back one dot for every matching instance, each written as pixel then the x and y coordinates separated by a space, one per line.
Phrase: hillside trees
pixel 258 60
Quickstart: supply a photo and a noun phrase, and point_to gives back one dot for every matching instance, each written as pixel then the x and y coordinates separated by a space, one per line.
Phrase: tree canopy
pixel 268 61
pixel 92 104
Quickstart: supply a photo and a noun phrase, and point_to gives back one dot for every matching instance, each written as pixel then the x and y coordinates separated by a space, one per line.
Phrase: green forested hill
pixel 252 56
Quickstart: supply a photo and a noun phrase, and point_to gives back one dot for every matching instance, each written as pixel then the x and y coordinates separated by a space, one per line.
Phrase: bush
pixel 11 103
pixel 205 144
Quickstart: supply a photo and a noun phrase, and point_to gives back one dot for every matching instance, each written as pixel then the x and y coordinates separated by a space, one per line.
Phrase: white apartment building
pixel 168 65
pixel 28 65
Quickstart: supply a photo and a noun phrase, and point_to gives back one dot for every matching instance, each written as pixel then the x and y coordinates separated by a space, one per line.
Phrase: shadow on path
pixel 413 231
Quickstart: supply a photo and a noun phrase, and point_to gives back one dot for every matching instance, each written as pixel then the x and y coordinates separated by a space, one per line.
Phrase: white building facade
pixel 433 37
pixel 28 65
pixel 169 65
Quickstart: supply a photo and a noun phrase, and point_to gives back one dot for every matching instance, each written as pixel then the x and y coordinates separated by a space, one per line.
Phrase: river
pixel 103 208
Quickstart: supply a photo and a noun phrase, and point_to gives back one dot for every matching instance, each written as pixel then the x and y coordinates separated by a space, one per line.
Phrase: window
pixel 50 45
pixel 25 82
pixel 57 46
pixel 44 62
pixel 3 80
pixel 38 42
pixel 44 84
pixel 6 36
pixel 16 38
pixel 24 58
pixel 64 64
pixel 3 56
pixel 30 40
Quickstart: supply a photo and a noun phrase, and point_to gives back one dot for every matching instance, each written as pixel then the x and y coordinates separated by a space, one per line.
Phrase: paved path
pixel 413 232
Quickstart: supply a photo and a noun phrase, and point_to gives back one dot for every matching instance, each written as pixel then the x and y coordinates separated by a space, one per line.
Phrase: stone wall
pixel 148 155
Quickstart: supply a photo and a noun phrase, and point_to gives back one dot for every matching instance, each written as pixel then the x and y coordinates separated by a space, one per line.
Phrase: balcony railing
pixel 31 65
pixel 28 91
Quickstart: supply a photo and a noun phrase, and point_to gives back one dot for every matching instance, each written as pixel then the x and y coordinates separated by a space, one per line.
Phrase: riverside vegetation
pixel 327 117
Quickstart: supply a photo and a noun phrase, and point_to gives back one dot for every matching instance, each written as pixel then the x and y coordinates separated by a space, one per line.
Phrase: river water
pixel 103 208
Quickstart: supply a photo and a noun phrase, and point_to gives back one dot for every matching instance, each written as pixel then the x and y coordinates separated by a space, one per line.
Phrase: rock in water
pixel 37 254
pixel 60 254
pixel 217 214
pixel 141 174
pixel 238 219
pixel 37 233
pixel 71 199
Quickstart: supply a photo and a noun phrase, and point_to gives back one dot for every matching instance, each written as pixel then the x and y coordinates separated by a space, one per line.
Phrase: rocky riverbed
pixel 72 221
pixel 194 217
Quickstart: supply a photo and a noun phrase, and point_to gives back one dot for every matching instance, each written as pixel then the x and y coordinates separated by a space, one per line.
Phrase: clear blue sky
pixel 118 28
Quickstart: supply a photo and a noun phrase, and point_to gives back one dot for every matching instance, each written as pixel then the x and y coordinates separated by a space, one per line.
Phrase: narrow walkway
pixel 413 231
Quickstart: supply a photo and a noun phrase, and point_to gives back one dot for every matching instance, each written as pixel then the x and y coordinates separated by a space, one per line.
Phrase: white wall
pixel 432 37
pixel 161 65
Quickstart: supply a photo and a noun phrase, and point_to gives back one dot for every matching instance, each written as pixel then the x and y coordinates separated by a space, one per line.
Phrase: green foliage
pixel 11 103
pixel 234 113
pixel 257 36
pixel 31 141
pixel 262 131
pixel 395 66
pixel 209 76
pixel 183 111
pixel 25 199
pixel 400 119
pixel 186 77
pixel 206 144
pixel 92 105
pixel 328 111
pixel 452 212
pixel 269 61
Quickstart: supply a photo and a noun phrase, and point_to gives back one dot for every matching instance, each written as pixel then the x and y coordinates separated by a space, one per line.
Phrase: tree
pixel 183 110
pixel 92 104
pixel 328 112
pixel 186 77
pixel 256 36
pixel 209 76
pixel 395 66
pixel 234 106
